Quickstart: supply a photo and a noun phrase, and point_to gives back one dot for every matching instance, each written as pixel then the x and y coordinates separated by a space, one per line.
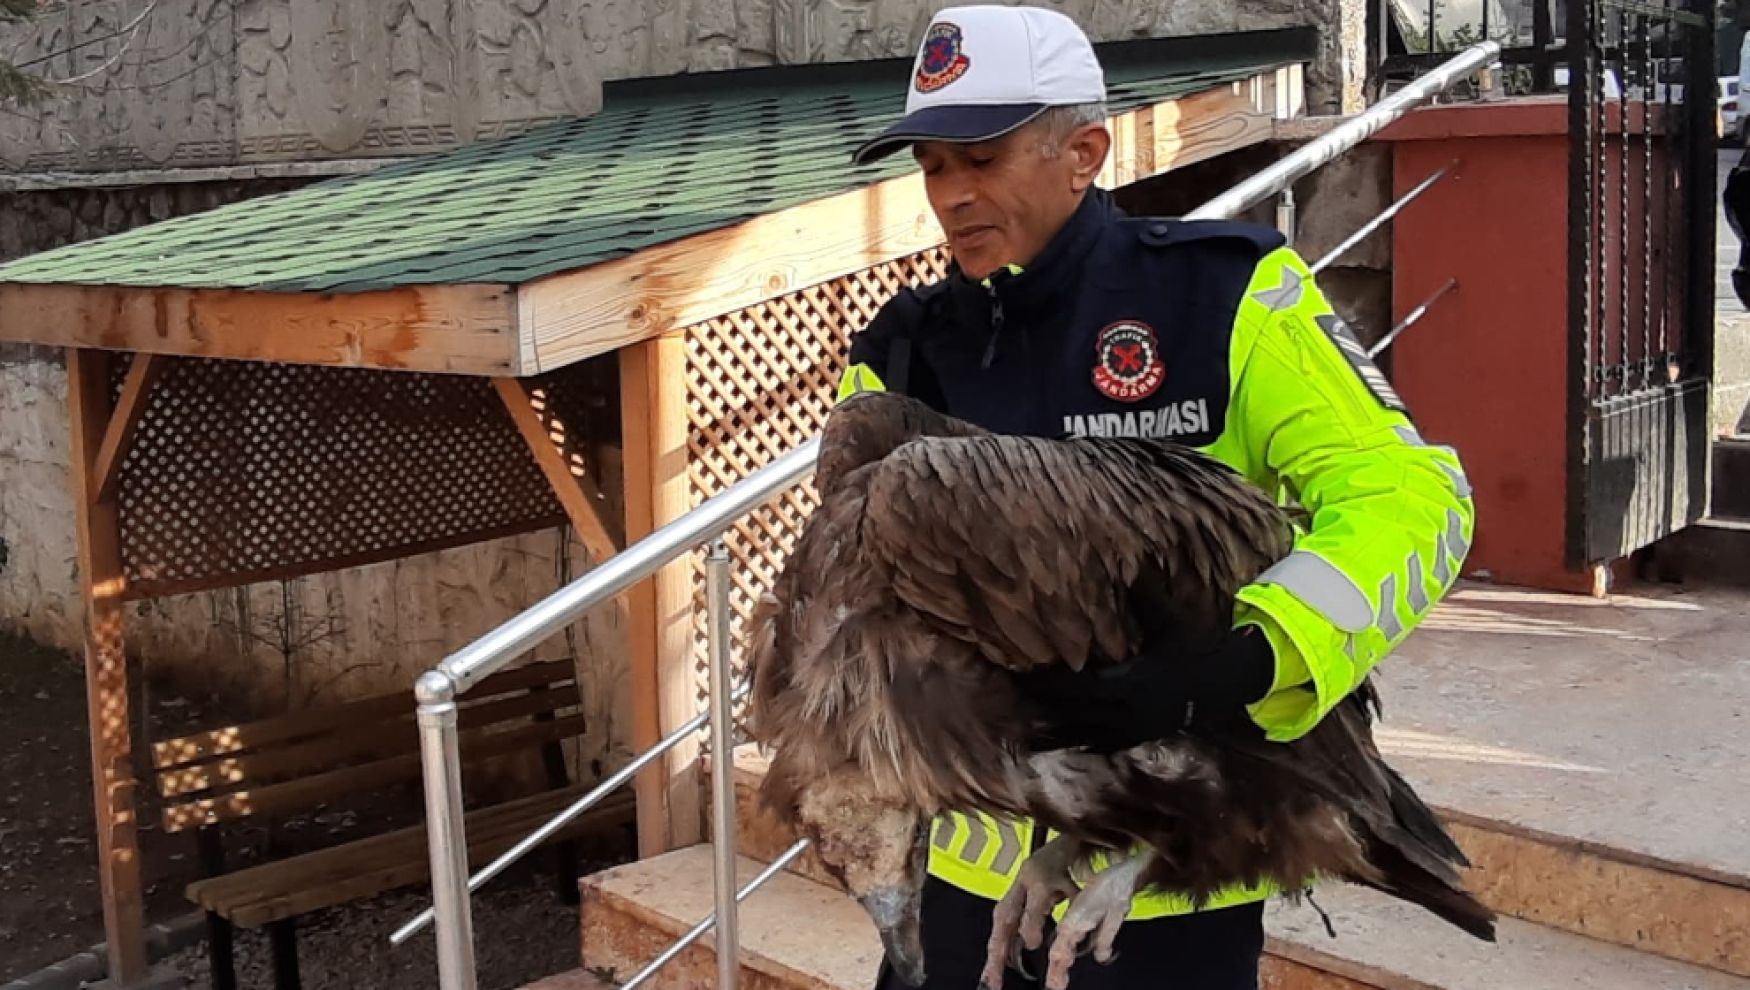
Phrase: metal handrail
pixel 437 689
pixel 572 812
pixel 1324 149
pixel 1385 215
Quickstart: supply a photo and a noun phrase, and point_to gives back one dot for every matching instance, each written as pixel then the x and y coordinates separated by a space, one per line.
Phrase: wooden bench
pixel 300 762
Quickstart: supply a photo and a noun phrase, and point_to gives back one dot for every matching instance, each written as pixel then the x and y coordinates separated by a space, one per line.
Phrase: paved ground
pixel 1625 722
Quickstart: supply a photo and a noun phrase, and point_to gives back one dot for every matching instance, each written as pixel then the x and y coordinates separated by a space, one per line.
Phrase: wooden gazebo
pixel 429 355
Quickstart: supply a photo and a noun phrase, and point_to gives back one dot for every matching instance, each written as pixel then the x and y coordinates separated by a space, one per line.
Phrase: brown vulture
pixel 941 562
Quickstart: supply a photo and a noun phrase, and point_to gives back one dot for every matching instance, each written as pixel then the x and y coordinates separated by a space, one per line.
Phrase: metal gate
pixel 1640 270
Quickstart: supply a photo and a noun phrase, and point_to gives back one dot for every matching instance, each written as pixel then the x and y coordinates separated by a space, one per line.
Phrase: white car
pixel 1731 121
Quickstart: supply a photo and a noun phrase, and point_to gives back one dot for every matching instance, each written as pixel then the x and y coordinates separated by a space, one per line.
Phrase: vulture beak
pixel 896 913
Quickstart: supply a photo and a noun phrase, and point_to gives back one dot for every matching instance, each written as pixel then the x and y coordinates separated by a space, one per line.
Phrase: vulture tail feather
pixel 1403 879
pixel 1420 821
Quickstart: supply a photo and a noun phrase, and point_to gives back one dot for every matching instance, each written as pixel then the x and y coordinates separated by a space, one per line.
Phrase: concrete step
pixel 1589 756
pixel 1586 754
pixel 1555 881
pixel 799 935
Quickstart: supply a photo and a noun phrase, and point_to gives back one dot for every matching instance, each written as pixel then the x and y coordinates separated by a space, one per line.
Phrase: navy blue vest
pixel 1121 327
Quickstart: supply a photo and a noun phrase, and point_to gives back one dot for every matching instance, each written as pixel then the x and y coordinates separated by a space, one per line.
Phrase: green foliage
pixel 16 85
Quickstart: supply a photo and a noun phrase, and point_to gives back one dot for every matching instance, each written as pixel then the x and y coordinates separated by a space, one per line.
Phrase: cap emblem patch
pixel 942 61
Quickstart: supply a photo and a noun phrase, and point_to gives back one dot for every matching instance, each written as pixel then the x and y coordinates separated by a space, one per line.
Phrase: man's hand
pixel 1150 696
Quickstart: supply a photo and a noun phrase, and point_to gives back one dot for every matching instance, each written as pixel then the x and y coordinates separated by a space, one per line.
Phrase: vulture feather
pixel 941 562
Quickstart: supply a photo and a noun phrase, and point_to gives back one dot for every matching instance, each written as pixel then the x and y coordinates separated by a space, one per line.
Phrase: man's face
pixel 1001 201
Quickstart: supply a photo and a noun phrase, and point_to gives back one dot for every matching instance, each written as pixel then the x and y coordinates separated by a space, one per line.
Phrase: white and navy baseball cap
pixel 983 71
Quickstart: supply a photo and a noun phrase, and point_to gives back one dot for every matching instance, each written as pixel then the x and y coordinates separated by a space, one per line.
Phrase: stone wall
pixel 204 82
pixel 267 647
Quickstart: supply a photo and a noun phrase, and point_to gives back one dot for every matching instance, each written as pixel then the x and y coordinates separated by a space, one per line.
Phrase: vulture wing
pixel 1038 551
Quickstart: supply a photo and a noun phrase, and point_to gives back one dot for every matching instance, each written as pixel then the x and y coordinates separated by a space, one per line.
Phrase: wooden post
pixel 561 460
pixel 102 584
pixel 654 423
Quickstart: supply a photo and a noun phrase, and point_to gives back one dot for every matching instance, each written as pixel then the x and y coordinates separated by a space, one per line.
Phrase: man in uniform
pixel 1062 317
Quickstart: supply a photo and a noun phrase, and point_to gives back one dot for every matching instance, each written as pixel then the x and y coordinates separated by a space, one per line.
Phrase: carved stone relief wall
pixel 137 84
pixel 160 83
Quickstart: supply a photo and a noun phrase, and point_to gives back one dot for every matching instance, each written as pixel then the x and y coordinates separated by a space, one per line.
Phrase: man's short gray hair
pixel 1058 123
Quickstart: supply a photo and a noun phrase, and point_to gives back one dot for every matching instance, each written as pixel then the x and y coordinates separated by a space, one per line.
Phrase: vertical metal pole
pixel 440 756
pixel 722 766
pixel 1543 37
pixel 1695 350
pixel 1285 213
pixel 1648 73
pixel 1582 69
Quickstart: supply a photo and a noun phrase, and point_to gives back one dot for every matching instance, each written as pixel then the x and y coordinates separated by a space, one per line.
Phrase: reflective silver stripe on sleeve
pixel 1458 545
pixel 976 839
pixel 1388 613
pixel 1409 435
pixel 944 833
pixel 1459 481
pixel 1418 590
pixel 1008 846
pixel 1326 590
pixel 1443 562
pixel 1284 296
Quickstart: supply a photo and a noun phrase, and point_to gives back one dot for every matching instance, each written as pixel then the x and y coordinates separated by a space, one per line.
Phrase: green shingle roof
pixel 663 160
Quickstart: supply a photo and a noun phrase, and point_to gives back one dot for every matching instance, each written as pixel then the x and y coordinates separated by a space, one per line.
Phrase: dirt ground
pixel 50 907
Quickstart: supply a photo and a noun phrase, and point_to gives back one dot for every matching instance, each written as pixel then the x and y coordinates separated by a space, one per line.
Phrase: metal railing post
pixel 440 756
pixel 728 937
pixel 1285 213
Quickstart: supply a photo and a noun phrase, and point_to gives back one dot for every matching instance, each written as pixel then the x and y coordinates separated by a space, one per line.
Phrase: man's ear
pixel 1087 149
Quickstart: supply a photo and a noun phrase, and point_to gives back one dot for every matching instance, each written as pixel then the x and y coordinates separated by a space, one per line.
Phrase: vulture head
pixel 876 845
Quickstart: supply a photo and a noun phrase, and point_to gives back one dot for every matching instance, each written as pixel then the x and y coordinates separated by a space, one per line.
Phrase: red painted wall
pixel 1485 370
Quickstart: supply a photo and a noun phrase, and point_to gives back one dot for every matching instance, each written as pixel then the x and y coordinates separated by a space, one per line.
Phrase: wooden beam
pixel 467 329
pixel 654 421
pixel 102 583
pixel 124 425
pixel 561 460
pixel 568 317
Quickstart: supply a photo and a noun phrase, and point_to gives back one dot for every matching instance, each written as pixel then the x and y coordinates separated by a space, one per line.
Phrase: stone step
pixel 1670 909
pixel 799 935
pixel 1588 754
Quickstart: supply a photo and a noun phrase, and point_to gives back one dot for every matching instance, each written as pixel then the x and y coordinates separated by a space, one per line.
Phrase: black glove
pixel 1150 696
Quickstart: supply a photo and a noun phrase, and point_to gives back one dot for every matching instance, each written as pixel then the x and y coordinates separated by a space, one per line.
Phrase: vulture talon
pixel 1098 911
pixel 1019 918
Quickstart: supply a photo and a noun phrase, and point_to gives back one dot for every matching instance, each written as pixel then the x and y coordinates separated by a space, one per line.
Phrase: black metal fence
pixel 1642 118
pixel 1639 76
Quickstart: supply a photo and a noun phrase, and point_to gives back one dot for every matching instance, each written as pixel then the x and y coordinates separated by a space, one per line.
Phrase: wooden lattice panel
pixel 246 471
pixel 759 382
